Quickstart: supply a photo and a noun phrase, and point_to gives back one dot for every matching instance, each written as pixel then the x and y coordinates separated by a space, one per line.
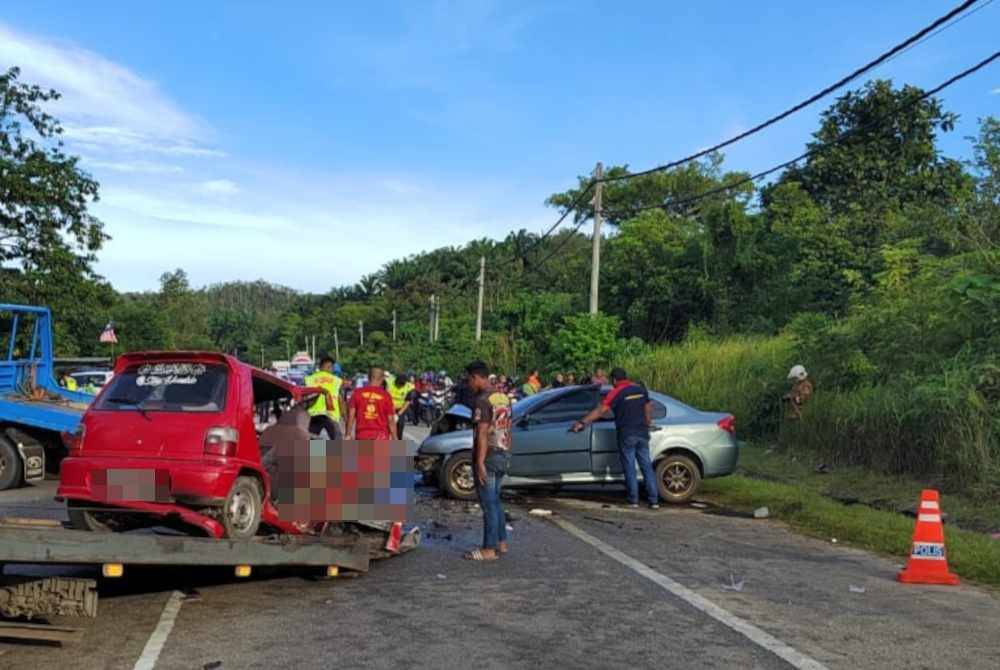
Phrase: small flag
pixel 108 334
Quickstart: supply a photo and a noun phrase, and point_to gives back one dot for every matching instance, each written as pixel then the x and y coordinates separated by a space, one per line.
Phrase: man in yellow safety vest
pixel 322 416
pixel 401 389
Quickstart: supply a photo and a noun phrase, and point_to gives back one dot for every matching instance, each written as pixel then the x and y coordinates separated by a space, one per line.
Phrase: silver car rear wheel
pixel 677 478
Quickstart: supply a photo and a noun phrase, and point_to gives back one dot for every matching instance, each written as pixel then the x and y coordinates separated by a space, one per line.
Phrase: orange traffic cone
pixel 928 563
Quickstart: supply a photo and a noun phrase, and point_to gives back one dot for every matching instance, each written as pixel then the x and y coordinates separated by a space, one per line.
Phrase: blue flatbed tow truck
pixel 34 409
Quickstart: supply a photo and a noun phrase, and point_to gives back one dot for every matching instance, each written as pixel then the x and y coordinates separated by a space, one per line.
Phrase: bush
pixel 743 375
pixel 939 425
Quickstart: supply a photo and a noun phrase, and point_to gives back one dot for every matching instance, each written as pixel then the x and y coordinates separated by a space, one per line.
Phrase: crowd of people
pixel 414 397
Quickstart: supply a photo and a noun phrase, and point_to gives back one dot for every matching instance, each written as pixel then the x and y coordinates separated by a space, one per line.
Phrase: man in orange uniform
pixel 371 415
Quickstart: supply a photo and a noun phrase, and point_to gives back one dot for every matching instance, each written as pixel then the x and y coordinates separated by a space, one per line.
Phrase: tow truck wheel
pixel 457 478
pixel 241 512
pixel 10 465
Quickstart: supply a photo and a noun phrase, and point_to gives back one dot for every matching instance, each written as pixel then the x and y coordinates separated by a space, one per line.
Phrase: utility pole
pixel 479 308
pixel 430 328
pixel 595 261
pixel 288 350
pixel 336 344
pixel 361 331
pixel 437 320
pixel 314 349
pixel 393 325
pixel 262 358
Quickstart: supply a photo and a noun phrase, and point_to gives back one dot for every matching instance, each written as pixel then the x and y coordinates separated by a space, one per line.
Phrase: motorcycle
pixel 427 408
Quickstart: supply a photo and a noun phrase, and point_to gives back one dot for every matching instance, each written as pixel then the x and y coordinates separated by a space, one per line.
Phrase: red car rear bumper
pixel 178 486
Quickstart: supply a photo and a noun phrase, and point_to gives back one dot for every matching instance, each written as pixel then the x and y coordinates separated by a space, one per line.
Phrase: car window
pixel 265 390
pixel 167 387
pixel 568 407
pixel 659 409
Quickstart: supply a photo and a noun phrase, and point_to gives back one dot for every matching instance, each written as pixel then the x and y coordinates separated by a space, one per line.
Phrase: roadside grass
pixel 743 375
pixel 801 499
pixel 966 507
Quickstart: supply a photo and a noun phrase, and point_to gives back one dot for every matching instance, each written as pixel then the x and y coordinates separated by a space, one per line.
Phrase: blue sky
pixel 309 143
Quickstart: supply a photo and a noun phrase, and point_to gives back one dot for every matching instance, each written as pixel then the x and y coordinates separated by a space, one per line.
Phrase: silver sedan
pixel 686 445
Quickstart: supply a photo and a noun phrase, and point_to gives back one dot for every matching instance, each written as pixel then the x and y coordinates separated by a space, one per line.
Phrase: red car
pixel 171 440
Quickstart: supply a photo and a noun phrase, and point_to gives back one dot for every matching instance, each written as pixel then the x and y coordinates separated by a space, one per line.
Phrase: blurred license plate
pixel 138 484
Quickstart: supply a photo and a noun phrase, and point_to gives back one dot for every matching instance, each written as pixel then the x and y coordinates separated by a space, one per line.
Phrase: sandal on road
pixel 478 555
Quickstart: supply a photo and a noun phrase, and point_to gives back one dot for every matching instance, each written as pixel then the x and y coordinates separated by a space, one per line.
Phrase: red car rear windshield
pixel 181 386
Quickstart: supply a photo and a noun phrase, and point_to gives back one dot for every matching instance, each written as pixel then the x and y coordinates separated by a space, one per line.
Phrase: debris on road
pixel 761 513
pixel 699 505
pixel 856 589
pixel 733 585
pixel 833 540
pixel 441 576
pixel 607 521
pixel 538 511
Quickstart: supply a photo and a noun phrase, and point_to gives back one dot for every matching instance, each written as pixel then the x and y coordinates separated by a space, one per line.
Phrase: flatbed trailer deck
pixel 47 542
pixel 53 544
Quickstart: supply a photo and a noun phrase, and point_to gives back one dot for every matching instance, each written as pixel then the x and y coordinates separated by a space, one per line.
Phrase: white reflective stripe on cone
pixel 929 505
pixel 930 517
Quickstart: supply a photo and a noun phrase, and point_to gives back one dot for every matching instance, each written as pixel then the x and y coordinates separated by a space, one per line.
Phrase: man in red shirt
pixel 371 415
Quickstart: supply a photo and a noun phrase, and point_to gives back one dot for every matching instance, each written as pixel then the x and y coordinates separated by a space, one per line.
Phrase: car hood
pixel 446 443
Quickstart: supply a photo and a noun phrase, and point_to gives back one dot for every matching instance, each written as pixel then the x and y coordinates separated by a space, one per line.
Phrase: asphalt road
pixel 555 600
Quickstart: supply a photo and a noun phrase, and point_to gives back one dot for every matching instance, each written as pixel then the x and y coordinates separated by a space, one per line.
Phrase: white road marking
pixel 154 645
pixel 747 629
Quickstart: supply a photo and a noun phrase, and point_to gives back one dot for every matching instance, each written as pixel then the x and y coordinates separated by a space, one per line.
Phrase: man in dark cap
pixel 633 416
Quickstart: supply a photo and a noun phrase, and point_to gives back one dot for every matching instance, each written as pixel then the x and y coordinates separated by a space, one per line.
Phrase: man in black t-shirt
pixel 491 421
pixel 633 416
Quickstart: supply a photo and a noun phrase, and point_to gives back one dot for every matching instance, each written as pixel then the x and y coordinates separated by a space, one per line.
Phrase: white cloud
pixel 996 91
pixel 220 187
pixel 133 167
pixel 193 213
pixel 125 139
pixel 104 104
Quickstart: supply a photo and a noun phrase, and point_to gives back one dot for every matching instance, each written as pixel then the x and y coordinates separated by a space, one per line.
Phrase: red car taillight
pixel 728 424
pixel 221 441
pixel 74 440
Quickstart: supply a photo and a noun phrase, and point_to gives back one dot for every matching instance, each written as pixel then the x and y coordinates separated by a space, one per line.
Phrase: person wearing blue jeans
pixel 491 445
pixel 494 519
pixel 633 412
pixel 634 448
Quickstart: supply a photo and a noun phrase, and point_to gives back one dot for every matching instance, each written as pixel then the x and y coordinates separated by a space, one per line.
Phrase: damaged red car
pixel 172 441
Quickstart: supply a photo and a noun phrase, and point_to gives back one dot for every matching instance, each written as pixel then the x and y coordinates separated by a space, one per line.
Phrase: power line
pixel 576 202
pixel 910 41
pixel 846 135
pixel 566 240
pixel 938 31
pixel 760 175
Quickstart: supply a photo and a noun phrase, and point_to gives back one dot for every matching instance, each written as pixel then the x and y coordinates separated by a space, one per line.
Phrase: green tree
pixel 44 194
pixel 585 341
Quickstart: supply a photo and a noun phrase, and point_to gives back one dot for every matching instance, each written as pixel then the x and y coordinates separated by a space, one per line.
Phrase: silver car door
pixel 604 455
pixel 543 444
